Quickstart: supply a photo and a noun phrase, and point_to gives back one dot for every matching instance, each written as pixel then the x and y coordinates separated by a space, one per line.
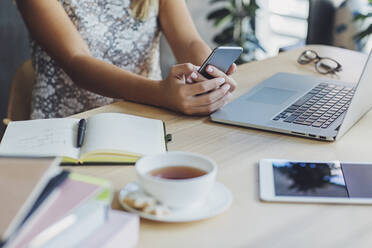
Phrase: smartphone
pixel 222 58
pixel 315 181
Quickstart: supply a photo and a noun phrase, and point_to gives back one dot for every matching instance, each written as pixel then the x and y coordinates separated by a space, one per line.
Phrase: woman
pixel 87 53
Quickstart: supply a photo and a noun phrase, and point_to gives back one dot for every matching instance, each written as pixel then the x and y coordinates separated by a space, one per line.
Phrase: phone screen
pixel 222 58
pixel 322 179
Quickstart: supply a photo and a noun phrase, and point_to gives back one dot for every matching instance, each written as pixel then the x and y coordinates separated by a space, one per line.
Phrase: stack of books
pixel 43 206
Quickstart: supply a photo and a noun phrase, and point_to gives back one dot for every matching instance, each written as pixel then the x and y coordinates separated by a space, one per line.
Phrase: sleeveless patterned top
pixel 112 35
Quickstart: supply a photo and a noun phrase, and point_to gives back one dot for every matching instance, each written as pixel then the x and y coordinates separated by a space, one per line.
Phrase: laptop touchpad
pixel 269 95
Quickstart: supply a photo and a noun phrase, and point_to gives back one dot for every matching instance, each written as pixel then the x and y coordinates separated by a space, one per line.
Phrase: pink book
pixel 70 195
pixel 120 230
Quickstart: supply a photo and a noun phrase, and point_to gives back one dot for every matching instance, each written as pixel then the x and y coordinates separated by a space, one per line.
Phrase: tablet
pixel 315 181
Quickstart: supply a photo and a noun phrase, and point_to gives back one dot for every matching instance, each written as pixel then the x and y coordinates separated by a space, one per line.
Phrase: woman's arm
pixel 182 36
pixel 184 39
pixel 50 26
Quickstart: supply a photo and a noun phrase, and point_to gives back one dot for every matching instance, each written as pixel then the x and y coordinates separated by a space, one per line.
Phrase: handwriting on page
pixel 46 138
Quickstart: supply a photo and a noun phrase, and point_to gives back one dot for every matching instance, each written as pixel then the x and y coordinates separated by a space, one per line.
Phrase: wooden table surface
pixel 250 222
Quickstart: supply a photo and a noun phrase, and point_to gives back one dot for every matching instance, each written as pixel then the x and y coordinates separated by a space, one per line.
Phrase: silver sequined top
pixel 112 35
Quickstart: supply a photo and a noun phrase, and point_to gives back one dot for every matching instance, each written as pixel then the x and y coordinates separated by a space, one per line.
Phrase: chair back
pixel 19 105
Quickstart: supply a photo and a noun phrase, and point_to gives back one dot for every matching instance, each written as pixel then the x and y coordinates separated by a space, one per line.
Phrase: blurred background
pixel 265 27
pixel 262 27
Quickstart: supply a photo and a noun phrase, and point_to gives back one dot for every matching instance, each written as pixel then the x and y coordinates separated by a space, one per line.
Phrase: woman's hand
pixel 200 98
pixel 214 72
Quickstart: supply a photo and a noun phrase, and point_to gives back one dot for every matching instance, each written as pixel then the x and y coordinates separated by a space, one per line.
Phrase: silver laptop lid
pixel 361 101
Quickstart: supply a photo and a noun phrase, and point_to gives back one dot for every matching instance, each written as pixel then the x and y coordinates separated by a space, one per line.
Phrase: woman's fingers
pixel 211 97
pixel 208 109
pixel 183 69
pixel 214 72
pixel 195 77
pixel 231 70
pixel 205 86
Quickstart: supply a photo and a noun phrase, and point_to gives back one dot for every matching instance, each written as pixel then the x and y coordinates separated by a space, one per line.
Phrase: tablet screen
pixel 322 179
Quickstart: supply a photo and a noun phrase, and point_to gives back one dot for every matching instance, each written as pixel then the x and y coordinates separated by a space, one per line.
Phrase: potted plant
pixel 238 17
pixel 363 18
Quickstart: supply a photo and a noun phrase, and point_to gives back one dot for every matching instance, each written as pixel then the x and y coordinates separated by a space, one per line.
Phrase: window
pixel 281 23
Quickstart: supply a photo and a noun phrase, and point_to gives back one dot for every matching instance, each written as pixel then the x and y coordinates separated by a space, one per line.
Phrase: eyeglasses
pixel 323 65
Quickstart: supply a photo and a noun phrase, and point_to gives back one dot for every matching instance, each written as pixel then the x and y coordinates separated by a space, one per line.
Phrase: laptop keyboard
pixel 320 107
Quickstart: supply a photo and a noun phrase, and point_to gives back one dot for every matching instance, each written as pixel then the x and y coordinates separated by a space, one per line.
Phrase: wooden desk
pixel 250 222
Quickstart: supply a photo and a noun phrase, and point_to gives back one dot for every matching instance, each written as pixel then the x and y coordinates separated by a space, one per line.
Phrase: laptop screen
pixel 361 102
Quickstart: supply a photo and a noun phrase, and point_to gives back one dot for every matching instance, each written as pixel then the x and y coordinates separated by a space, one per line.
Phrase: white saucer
pixel 218 201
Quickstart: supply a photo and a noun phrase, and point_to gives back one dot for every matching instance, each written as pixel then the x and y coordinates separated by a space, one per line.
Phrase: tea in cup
pixel 177 179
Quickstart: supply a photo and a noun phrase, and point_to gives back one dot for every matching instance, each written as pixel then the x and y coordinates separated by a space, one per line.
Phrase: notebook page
pixel 47 137
pixel 113 132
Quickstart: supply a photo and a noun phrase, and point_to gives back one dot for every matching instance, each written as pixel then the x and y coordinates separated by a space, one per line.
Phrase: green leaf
pixel 222 40
pixel 251 8
pixel 362 17
pixel 221 21
pixel 218 14
pixel 364 33
pixel 225 37
pixel 233 4
pixel 216 1
pixel 251 38
pixel 257 44
pixel 233 15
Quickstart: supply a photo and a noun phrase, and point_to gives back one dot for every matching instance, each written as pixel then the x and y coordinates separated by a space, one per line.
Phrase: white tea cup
pixel 154 173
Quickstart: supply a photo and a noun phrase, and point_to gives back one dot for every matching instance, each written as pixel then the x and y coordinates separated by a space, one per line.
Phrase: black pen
pixel 81 132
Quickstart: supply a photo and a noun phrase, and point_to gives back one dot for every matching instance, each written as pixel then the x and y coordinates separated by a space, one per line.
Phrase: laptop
pixel 307 106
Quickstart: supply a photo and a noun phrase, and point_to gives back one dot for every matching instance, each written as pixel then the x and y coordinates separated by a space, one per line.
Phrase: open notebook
pixel 109 138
